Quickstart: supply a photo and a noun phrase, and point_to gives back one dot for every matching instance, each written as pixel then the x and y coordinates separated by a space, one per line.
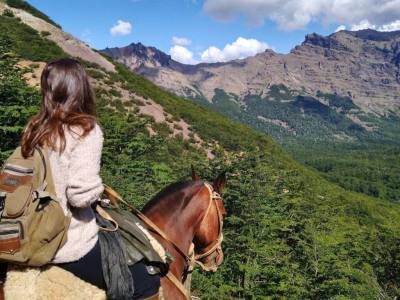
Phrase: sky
pixel 194 31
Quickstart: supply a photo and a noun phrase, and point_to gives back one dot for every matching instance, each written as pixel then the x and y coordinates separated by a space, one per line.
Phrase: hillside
pixel 288 234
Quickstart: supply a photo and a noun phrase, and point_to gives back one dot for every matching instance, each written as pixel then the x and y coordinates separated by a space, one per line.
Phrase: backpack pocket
pixel 11 234
pixel 13 176
pixel 16 181
pixel 17 202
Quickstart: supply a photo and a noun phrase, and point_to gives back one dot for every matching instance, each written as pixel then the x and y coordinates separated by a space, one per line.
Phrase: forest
pixel 323 137
pixel 289 233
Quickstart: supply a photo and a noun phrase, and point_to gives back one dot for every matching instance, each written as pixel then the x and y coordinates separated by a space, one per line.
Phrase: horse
pixel 187 219
pixel 191 216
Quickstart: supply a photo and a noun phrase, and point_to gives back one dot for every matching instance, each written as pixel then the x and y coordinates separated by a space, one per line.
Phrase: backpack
pixel 33 225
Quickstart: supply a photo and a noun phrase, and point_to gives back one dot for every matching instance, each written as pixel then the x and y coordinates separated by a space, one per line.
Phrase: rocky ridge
pixel 363 65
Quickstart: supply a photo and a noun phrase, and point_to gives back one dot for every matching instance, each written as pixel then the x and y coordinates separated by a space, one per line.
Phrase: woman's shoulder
pixel 74 136
pixel 95 133
pixel 76 132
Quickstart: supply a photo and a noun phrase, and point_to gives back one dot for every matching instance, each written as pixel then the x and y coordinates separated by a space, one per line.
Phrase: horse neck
pixel 178 215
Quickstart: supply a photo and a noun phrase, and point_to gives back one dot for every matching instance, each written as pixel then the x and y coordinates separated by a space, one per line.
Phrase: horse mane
pixel 170 190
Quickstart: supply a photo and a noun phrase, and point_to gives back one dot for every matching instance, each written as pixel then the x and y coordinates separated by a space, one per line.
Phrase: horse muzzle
pixel 211 262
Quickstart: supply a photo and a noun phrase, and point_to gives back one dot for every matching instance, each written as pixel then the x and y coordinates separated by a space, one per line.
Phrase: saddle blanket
pixel 48 283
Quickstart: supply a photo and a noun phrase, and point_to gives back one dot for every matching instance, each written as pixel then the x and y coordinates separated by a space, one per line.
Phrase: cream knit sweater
pixel 78 185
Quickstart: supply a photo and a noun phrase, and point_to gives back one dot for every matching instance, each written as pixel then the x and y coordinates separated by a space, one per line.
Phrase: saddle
pixel 138 242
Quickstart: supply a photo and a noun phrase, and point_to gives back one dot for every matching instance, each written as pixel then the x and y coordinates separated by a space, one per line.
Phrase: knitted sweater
pixel 78 185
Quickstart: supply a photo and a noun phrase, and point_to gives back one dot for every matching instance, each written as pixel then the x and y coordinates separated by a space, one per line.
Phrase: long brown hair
pixel 67 101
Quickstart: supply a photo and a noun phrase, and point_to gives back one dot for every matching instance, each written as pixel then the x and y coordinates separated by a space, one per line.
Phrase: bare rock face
pixel 138 56
pixel 360 64
pixel 363 65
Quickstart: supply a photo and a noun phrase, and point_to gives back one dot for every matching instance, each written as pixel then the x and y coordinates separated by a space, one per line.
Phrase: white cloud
pixel 296 14
pixel 121 28
pixel 241 48
pixel 182 55
pixel 212 54
pixel 365 24
pixel 177 41
pixel 393 26
pixel 339 28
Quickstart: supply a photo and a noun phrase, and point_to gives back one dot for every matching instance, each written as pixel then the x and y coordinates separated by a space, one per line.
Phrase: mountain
pixel 349 82
pixel 288 233
pixel 363 65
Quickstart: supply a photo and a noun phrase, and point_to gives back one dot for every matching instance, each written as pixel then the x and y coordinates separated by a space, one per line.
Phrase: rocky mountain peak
pixel 332 42
pixel 373 35
pixel 143 55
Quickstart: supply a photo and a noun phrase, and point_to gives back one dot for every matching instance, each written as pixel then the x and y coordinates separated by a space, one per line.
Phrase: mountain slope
pixel 288 234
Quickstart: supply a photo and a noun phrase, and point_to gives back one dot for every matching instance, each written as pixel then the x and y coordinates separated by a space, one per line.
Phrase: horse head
pixel 206 250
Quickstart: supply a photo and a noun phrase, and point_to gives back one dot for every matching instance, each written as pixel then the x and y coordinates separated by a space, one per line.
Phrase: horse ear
pixel 219 183
pixel 195 177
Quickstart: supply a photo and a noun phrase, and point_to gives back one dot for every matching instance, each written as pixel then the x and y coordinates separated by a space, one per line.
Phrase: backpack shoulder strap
pixel 47 176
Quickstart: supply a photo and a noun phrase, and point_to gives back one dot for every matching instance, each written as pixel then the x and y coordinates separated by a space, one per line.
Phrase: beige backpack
pixel 33 225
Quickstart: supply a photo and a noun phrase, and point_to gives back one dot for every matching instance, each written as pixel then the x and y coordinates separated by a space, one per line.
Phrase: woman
pixel 66 124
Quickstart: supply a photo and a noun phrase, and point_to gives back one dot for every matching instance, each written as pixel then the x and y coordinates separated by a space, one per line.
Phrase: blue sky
pixel 205 23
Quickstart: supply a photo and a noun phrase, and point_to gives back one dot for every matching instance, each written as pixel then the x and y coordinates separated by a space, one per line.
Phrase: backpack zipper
pixel 18 169
pixel 10 231
pixel 20 229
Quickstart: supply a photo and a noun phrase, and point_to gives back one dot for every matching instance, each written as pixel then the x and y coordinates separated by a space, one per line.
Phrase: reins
pixel 190 259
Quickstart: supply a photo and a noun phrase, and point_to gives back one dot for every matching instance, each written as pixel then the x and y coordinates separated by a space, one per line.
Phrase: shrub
pixel 8 13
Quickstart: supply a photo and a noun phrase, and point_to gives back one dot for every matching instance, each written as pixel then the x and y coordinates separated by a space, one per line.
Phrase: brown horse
pixel 189 213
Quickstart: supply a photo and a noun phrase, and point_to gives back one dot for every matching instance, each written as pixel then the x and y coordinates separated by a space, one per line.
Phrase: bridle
pixel 214 249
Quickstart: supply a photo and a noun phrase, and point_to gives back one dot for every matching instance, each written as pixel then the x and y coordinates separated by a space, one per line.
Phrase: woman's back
pixel 78 185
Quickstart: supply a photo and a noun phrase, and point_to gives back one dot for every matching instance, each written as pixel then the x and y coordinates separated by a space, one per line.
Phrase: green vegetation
pixel 372 169
pixel 309 118
pixel 279 92
pixel 45 33
pixel 27 42
pixel 289 234
pixel 345 103
pixel 21 4
pixel 18 101
pixel 8 13
pixel 324 137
